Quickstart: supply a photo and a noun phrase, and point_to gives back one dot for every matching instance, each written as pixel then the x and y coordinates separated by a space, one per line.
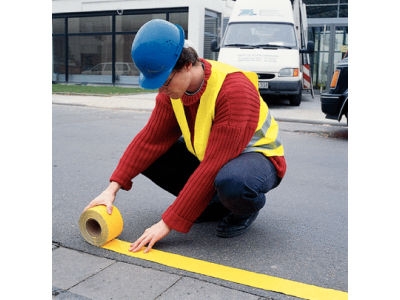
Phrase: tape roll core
pixel 93 227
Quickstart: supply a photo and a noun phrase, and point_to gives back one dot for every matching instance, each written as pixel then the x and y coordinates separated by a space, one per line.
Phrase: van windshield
pixel 259 35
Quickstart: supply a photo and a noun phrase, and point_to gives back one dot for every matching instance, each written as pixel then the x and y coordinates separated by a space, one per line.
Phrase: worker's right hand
pixel 106 198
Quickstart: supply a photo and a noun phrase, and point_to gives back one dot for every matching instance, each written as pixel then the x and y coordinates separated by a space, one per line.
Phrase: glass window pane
pixel 88 52
pixel 322 11
pixel 59 58
pixel 324 39
pixel 90 24
pixel 181 19
pixel 58 26
pixel 343 11
pixel 340 38
pixel 323 70
pixel 320 58
pixel 340 43
pixel 132 23
pixel 108 68
pixel 260 33
pixel 211 30
pixel 321 1
pixel 123 54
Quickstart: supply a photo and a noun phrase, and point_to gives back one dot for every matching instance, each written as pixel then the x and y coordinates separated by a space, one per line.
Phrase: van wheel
pixel 295 100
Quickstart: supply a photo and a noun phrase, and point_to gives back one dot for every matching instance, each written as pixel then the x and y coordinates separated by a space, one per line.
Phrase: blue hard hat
pixel 155 51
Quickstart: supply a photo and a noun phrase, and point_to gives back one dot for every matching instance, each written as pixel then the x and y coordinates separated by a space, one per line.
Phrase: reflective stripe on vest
pixel 265 139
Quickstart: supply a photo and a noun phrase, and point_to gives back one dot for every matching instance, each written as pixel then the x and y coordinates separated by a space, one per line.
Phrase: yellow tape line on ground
pixel 101 229
pixel 257 280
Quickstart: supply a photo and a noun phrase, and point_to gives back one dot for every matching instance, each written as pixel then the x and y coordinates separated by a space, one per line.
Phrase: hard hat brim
pixel 154 82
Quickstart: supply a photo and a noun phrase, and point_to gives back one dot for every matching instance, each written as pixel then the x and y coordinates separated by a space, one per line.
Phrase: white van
pixel 261 36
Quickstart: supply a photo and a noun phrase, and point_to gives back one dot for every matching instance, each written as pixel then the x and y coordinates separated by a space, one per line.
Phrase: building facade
pixel 92 39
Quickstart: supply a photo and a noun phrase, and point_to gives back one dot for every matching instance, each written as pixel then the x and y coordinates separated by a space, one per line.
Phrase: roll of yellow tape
pixel 98 227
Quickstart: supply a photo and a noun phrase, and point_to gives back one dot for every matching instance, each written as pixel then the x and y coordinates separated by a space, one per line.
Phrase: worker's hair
pixel 188 55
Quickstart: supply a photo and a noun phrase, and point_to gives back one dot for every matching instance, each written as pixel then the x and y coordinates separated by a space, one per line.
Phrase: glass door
pixel 329 50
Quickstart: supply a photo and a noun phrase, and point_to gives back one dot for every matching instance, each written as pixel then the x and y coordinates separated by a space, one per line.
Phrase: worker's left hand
pixel 150 236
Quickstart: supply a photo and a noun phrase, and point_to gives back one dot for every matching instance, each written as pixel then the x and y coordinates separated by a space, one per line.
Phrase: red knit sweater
pixel 236 117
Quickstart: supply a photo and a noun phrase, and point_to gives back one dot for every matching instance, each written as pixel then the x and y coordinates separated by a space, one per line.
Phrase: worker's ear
pixel 188 66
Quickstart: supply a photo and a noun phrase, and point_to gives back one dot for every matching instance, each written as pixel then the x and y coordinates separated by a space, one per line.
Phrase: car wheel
pixel 295 100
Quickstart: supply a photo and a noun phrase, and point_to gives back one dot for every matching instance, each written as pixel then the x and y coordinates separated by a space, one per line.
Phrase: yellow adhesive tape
pixel 257 280
pixel 101 229
pixel 98 227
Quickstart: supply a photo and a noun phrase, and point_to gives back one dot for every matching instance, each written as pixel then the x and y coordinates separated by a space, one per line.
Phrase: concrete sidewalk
pixel 309 110
pixel 79 275
pixel 144 101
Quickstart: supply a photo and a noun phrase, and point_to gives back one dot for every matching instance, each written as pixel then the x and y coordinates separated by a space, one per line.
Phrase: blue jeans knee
pixel 243 182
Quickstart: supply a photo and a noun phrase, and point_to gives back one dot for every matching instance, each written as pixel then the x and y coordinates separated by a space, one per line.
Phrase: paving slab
pixel 72 267
pixel 126 281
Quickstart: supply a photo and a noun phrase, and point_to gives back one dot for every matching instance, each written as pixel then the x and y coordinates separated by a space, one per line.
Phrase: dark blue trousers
pixel 240 185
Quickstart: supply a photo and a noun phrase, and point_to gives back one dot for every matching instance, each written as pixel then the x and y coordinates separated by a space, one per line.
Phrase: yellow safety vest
pixel 265 138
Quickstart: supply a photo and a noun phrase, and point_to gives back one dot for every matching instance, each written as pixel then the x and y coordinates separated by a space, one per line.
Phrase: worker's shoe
pixel 234 225
pixel 215 211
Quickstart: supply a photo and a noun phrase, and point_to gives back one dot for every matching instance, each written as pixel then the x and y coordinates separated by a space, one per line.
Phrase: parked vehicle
pixel 334 103
pixel 267 37
pixel 59 67
pixel 121 68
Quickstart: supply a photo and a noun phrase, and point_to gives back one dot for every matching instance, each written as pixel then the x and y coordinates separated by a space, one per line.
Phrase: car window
pixel 97 68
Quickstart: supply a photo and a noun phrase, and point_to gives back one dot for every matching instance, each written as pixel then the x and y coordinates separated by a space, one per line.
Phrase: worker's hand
pixel 150 237
pixel 107 198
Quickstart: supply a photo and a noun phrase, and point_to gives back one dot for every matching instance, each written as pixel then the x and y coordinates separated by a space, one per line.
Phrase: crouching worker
pixel 210 140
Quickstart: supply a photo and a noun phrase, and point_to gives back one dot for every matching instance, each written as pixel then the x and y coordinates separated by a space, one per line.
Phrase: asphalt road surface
pixel 300 234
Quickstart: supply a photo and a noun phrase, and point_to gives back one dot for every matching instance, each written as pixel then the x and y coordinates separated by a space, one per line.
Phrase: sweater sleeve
pixel 160 132
pixel 236 117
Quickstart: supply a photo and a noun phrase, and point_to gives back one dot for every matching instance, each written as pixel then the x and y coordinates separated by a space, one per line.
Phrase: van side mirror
pixel 309 49
pixel 214 46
